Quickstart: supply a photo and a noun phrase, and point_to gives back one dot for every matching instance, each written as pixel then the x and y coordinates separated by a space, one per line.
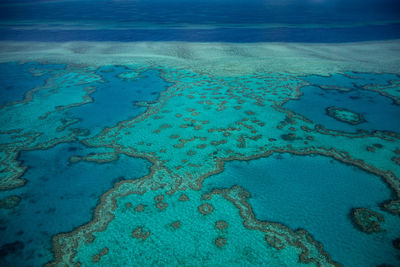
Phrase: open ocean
pixel 200 133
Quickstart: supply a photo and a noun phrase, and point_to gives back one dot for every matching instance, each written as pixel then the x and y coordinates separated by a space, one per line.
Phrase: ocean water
pixel 116 99
pixel 201 21
pixel 379 112
pixel 16 80
pixel 52 194
pixel 316 193
pixel 200 133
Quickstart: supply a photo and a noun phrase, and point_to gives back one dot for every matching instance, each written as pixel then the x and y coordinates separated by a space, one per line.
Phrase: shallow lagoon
pixel 285 189
pixel 316 193
pixel 58 197
pixel 379 112
pixel 16 79
pixel 117 98
pixel 186 86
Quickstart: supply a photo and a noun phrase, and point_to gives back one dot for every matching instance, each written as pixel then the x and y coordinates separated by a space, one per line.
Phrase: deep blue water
pixel 50 198
pixel 16 79
pixel 311 192
pixel 142 20
pixel 115 100
pixel 205 12
pixel 55 187
pixel 351 80
pixel 380 112
pixel 316 193
pixel 243 35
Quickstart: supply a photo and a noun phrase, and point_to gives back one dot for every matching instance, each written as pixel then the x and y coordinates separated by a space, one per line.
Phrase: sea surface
pixel 200 133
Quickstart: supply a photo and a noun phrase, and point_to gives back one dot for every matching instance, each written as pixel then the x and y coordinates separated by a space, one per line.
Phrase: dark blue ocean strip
pixel 237 35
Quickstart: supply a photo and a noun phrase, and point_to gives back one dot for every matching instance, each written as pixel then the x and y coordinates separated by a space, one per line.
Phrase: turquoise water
pixel 379 112
pixel 187 133
pixel 54 191
pixel 117 99
pixel 58 197
pixel 351 80
pixel 316 193
pixel 16 79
